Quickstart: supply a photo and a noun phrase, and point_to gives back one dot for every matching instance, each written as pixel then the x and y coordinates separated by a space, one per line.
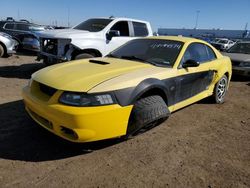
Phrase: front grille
pixel 49 45
pixel 41 120
pixel 47 90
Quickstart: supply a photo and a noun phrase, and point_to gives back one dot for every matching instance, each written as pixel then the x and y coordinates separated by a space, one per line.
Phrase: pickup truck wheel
pixel 84 56
pixel 1 51
pixel 220 90
pixel 146 114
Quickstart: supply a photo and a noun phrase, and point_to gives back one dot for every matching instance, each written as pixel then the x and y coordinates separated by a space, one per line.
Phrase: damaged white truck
pixel 94 37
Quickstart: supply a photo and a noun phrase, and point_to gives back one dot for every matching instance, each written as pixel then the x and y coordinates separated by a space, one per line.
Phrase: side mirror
pixel 112 33
pixel 190 63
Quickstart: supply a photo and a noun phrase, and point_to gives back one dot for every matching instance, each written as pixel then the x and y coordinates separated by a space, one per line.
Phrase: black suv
pixel 24 32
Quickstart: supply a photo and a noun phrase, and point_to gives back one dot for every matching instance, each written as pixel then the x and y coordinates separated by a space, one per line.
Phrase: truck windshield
pixel 93 25
pixel 154 51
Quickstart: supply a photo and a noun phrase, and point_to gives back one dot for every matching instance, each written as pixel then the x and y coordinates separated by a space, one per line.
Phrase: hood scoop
pixel 98 62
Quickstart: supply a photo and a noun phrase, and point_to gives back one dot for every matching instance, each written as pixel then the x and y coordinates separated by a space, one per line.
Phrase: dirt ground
pixel 203 145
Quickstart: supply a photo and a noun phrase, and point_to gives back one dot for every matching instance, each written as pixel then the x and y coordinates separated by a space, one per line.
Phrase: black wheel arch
pixel 95 52
pixel 147 87
pixel 227 74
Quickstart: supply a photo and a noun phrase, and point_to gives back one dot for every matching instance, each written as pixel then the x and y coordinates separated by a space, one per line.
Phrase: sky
pixel 223 14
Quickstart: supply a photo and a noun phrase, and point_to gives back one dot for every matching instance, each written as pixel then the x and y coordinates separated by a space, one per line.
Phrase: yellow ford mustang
pixel 129 90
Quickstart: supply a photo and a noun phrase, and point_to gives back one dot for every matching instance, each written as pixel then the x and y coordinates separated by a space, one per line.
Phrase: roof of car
pixel 177 38
pixel 16 22
pixel 120 18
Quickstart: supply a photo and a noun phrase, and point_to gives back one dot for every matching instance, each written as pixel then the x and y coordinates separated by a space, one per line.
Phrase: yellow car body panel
pixel 103 122
pixel 89 123
pixel 80 75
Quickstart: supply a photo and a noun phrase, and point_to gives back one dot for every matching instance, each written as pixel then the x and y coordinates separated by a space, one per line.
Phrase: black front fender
pixel 128 96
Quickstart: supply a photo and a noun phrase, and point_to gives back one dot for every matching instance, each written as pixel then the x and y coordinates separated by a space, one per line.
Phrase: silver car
pixel 240 57
pixel 8 45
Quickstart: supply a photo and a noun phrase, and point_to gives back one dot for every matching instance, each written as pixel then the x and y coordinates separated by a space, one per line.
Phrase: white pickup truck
pixel 94 37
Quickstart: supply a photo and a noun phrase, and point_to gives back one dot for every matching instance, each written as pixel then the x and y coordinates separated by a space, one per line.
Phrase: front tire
pixel 220 90
pixel 1 51
pixel 147 113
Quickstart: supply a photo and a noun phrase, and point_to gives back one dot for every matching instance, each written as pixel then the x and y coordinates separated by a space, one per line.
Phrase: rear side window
pixel 199 52
pixel 22 27
pixel 140 29
pixel 9 26
pixel 211 54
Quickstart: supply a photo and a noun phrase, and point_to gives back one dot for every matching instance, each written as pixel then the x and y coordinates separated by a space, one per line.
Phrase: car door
pixel 194 80
pixel 125 35
pixel 23 31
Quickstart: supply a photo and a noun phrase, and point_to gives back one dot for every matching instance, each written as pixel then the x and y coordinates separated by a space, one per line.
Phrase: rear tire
pixel 146 114
pixel 2 51
pixel 220 90
pixel 84 56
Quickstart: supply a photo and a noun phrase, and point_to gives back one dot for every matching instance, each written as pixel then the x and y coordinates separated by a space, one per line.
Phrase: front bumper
pixel 52 59
pixel 243 71
pixel 77 124
pixel 12 46
pixel 54 50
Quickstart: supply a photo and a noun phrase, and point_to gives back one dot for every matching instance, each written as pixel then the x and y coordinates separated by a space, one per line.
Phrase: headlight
pixel 83 99
pixel 245 64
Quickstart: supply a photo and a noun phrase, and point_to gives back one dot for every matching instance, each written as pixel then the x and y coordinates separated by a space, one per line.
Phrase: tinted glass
pixel 140 29
pixel 122 27
pixel 22 27
pixel 211 54
pixel 243 48
pixel 198 52
pixel 223 41
pixel 36 28
pixel 9 26
pixel 93 25
pixel 155 51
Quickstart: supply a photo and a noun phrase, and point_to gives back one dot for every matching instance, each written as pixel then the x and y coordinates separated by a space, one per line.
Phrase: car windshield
pixel 154 51
pixel 222 41
pixel 93 25
pixel 243 48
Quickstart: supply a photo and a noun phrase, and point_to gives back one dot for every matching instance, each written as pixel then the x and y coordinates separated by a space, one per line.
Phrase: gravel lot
pixel 203 145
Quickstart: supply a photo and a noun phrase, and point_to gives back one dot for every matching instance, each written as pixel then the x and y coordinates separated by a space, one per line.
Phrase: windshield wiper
pixel 133 57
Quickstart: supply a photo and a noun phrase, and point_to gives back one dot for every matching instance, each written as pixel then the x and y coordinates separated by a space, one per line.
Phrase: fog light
pixel 69 133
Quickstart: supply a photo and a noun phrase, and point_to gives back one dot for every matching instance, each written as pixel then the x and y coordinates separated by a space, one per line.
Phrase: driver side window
pixel 122 27
pixel 198 52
